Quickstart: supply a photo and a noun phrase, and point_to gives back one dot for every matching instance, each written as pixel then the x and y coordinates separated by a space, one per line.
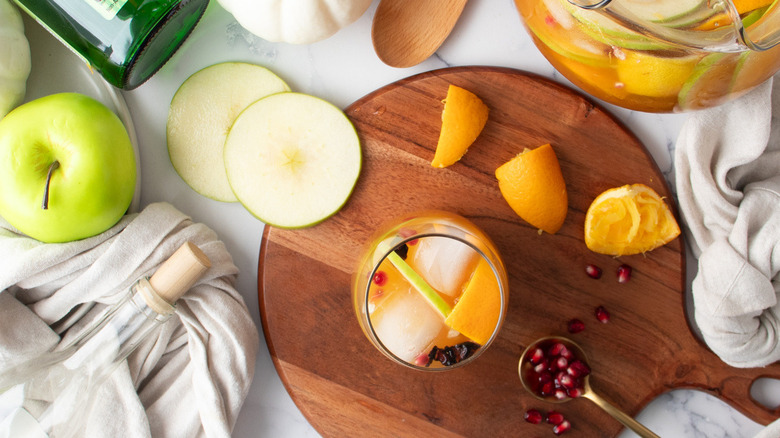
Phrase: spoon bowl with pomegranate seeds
pixel 555 369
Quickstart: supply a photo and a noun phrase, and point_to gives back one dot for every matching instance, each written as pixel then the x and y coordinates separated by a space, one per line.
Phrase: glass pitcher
pixel 658 55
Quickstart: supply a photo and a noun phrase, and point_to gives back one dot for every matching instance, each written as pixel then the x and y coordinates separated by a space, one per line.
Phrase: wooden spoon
pixel 407 32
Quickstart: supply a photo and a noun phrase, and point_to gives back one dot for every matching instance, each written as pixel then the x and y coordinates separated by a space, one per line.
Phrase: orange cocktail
pixel 431 291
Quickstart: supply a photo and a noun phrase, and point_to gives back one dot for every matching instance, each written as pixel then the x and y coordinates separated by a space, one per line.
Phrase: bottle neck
pixel 121 329
pixel 53 392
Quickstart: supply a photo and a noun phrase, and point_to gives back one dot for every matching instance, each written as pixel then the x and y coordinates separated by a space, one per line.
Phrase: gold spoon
pixel 525 369
pixel 407 32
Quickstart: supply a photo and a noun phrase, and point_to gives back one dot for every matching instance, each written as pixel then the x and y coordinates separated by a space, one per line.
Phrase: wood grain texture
pixel 345 387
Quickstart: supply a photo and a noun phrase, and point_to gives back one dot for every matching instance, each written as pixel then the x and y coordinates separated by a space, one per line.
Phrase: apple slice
pixel 416 280
pixel 709 81
pixel 292 159
pixel 201 113
pixel 604 29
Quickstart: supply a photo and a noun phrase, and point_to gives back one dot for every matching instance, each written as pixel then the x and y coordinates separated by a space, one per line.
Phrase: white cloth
pixel 728 185
pixel 189 380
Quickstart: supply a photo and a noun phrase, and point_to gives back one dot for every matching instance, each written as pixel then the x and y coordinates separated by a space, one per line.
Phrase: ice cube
pixel 445 263
pixel 406 324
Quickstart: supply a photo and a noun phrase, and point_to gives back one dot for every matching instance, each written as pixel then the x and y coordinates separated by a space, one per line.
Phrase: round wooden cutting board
pixel 345 387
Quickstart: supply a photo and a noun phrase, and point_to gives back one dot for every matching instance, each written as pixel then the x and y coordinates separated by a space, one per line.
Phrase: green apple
pixel 201 113
pixel 67 168
pixel 292 159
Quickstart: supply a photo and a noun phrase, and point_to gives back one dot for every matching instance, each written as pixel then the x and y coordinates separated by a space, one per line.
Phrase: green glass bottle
pixel 127 41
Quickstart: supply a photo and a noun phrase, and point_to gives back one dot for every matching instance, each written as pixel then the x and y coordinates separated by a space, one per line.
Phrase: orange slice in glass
pixel 463 118
pixel 533 185
pixel 627 220
pixel 476 313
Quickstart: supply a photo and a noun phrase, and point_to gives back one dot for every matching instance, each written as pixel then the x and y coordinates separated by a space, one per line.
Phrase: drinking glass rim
pixel 501 288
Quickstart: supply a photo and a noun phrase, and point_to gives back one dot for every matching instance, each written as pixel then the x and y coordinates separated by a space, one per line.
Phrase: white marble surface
pixel 342 69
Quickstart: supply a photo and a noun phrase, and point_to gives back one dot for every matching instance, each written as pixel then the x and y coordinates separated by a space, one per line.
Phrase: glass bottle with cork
pixel 53 393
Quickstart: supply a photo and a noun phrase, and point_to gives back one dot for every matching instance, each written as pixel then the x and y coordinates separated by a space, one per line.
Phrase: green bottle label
pixel 107 8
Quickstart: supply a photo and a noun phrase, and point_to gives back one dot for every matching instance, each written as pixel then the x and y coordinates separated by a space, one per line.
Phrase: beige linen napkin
pixel 189 380
pixel 728 185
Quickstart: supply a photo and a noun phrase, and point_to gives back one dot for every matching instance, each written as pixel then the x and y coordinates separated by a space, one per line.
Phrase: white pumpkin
pixel 14 57
pixel 295 21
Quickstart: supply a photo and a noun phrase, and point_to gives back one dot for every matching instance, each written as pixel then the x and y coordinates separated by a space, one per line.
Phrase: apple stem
pixel 52 167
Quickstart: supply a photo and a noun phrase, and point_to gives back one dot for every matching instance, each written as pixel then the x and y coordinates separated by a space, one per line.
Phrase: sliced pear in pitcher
pixel 602 28
pixel 292 159
pixel 710 81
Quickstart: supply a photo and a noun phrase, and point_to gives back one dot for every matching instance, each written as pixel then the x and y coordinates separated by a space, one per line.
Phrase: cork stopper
pixel 177 274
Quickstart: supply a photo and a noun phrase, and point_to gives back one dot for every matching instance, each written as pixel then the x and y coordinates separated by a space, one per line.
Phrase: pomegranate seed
pixel 533 416
pixel 555 418
pixel 422 360
pixel 578 368
pixel 558 429
pixel 537 356
pixel 558 373
pixel 576 326
pixel 555 349
pixel 380 278
pixel 567 381
pixel 623 273
pixel 602 314
pixel 593 271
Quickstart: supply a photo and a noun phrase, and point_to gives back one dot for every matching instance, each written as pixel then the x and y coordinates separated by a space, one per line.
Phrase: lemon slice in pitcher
pixel 654 76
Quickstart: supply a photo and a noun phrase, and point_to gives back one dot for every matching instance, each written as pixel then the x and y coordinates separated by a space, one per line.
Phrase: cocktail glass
pixel 430 292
